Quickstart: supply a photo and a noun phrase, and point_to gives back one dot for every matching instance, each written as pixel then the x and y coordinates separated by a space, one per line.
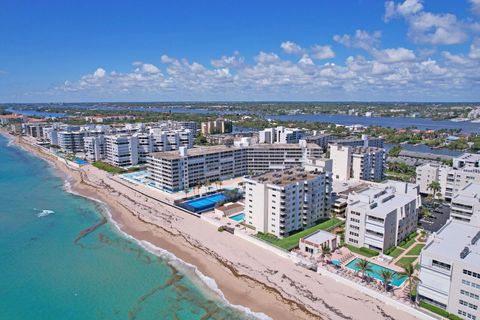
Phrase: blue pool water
pixel 336 262
pixel 80 161
pixel 205 203
pixel 238 217
pixel 397 280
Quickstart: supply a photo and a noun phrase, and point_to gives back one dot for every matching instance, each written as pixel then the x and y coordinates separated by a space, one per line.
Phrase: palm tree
pixel 325 250
pixel 435 187
pixel 412 279
pixel 363 266
pixel 386 276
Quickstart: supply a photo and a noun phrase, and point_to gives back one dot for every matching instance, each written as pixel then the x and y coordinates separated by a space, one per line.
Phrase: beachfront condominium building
pixel 280 135
pixel 284 201
pixel 465 204
pixel 95 148
pixel 364 141
pixel 465 170
pixel 381 216
pixel 359 163
pixel 450 270
pixel 183 169
pixel 34 130
pixel 216 126
pixel 167 140
pixel 174 170
pixel 71 141
pixel 121 150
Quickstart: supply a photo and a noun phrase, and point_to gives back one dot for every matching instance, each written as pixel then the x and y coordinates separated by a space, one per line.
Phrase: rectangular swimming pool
pixel 204 203
pixel 396 281
pixel 238 217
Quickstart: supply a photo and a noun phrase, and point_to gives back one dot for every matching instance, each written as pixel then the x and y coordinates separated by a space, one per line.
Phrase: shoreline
pixel 243 279
pixel 119 221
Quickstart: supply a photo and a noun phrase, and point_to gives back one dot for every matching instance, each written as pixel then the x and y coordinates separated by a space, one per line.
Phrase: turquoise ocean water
pixel 48 272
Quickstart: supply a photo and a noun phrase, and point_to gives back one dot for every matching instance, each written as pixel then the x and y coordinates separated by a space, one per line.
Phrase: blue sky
pixel 406 50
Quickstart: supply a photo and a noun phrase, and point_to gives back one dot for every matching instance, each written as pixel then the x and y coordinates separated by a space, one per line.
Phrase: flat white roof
pixel 470 157
pixel 452 239
pixel 320 237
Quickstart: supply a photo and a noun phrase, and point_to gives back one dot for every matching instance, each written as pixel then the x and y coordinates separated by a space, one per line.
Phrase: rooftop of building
pixel 285 177
pixel 319 237
pixel 456 241
pixel 470 194
pixel 363 150
pixel 344 187
pixel 469 157
pixel 197 151
pixel 375 198
pixel 230 206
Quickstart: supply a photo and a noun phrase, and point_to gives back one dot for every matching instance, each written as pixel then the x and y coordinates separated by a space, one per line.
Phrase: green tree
pixel 363 266
pixel 395 151
pixel 412 279
pixel 386 277
pixel 435 187
pixel 325 250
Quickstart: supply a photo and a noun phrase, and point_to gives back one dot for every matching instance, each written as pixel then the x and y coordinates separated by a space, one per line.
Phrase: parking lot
pixel 437 219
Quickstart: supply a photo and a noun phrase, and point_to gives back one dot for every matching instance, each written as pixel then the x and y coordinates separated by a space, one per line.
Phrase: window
pixel 472 274
pixel 468 304
pixel 468 315
pixel 469 294
pixel 439 264
pixel 471 284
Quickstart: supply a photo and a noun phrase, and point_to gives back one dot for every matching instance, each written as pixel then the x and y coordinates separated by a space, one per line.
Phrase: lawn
pixel 396 252
pixel 408 243
pixel 405 261
pixel 291 242
pixel 108 167
pixel 438 311
pixel 415 251
pixel 366 252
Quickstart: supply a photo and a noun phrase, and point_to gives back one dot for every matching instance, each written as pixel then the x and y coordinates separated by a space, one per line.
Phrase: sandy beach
pixel 247 274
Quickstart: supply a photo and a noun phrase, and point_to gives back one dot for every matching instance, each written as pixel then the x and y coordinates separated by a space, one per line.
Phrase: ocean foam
pixel 45 213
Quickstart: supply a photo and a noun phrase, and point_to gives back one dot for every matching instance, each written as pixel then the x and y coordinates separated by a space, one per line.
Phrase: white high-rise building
pixel 430 172
pixel 167 140
pixel 465 170
pixel 450 270
pixel 381 216
pixel 71 141
pixel 465 204
pixel 174 170
pixel 359 163
pixel 280 202
pixel 280 135
pixel 95 148
pixel 121 150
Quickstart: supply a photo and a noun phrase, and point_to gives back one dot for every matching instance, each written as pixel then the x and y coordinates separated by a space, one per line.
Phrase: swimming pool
pixel 204 203
pixel 396 281
pixel 80 161
pixel 238 217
